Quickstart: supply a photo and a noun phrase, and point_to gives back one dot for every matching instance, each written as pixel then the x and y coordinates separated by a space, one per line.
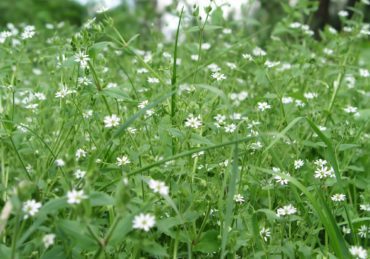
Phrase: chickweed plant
pixel 212 145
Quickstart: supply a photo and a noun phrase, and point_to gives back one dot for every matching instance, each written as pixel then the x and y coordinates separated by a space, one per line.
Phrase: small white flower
pixel 239 198
pixel 30 208
pixel 338 197
pixel 84 81
pixel 213 67
pixel 48 240
pixel 193 121
pixel 80 153
pixel 310 95
pixel 271 64
pixel 287 100
pixel 364 72
pixel 323 172
pixel 320 162
pixel 79 174
pixel 295 25
pixel 230 128
pixel 87 114
pixel 328 52
pixel 286 210
pixel 343 13
pixel 194 57
pixel 346 230
pixel 365 207
pixel 143 221
pixel 350 109
pixel 281 180
pixel 258 52
pixel 363 231
pixel 358 252
pixel 247 56
pixel 158 187
pixel 206 46
pixel 153 80
pixel 82 58
pixel 218 76
pixel 350 81
pixel 75 197
pixel 298 163
pixel 265 233
pixel 60 163
pixel 262 106
pixel 123 160
pixel 111 121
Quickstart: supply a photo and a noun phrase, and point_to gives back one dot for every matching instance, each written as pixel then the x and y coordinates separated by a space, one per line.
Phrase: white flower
pixel 79 174
pixel 48 240
pixel 230 128
pixel 84 80
pixel 87 114
pixel 63 92
pixel 320 162
pixel 206 46
pixel 364 72
pixel 358 252
pixel 350 80
pixel 194 57
pixel 287 100
pixel 143 104
pixel 295 25
pixel 343 13
pixel 193 121
pixel 143 221
pixel 111 121
pixel 220 118
pixel 30 208
pixel 286 210
pixel 262 106
pixel 281 180
pixel 213 67
pixel 265 233
pixel 123 160
pixel 298 163
pixel 80 153
pixel 239 198
pixel 218 76
pixel 350 109
pixel 271 64
pixel 247 56
pixel 322 172
pixel 346 230
pixel 328 52
pixel 310 95
pixel 82 58
pixel 153 80
pixel 29 32
pixel 60 163
pixel 365 207
pixel 258 52
pixel 75 197
pixel 338 197
pixel 158 187
pixel 363 231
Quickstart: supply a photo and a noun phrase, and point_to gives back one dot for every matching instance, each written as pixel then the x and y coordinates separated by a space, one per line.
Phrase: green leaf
pixel 76 232
pixel 207 28
pixel 154 249
pixel 100 199
pixel 208 243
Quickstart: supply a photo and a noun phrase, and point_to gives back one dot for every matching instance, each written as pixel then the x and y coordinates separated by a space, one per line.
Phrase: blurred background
pixel 142 15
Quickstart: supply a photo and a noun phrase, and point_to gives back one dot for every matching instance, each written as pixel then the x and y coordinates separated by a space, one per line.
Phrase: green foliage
pixel 234 140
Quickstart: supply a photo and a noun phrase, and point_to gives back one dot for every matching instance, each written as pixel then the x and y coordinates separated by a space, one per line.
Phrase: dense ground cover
pixel 208 146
